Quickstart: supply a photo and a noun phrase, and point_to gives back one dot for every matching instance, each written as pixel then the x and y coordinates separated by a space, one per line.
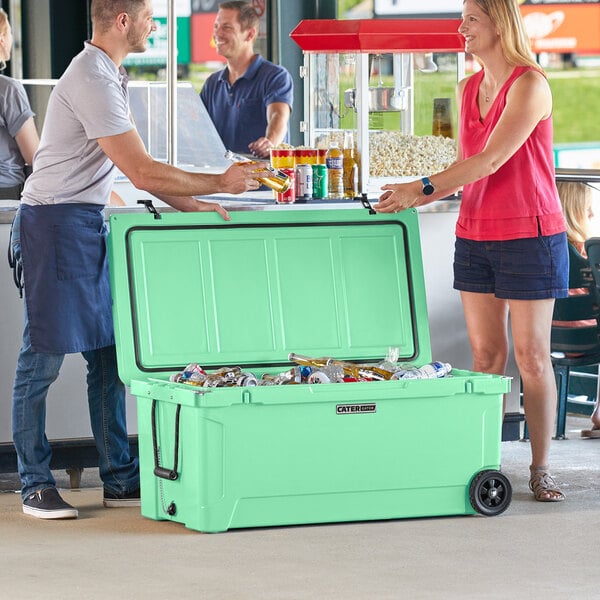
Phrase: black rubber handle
pixel 165 473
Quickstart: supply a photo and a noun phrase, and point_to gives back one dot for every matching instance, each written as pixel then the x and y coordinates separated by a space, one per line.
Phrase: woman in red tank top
pixel 511 251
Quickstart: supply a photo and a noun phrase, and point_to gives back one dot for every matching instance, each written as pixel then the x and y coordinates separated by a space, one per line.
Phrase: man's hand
pixel 212 206
pixel 241 177
pixel 261 147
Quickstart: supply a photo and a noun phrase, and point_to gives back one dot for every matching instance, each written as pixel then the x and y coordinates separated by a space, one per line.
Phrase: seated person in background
pixel 250 100
pixel 576 201
pixel 18 136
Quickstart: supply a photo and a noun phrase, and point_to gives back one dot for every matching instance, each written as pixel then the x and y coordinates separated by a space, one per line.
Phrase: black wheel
pixel 490 493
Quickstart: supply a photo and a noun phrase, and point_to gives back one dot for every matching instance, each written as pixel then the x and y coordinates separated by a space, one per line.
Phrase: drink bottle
pixel 429 371
pixel 307 361
pixel 350 168
pixel 442 120
pixel 272 178
pixel 359 372
pixel 334 160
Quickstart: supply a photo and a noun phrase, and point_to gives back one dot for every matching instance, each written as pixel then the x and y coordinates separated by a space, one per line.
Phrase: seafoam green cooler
pixel 330 282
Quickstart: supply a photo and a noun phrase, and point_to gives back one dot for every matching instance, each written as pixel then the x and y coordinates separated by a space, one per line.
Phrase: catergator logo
pixel 353 409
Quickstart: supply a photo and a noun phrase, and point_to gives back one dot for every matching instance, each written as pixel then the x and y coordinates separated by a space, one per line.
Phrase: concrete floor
pixel 533 550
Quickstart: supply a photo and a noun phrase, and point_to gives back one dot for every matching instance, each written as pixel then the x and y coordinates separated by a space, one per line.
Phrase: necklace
pixel 486 96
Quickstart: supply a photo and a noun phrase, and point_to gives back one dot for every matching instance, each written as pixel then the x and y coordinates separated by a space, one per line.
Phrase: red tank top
pixel 520 199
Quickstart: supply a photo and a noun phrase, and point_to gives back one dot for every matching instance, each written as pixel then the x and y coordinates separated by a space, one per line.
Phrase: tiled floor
pixel 533 550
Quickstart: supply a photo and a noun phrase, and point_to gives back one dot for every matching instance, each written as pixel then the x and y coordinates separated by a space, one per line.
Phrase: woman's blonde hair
pixel 3 29
pixel 576 202
pixel 506 17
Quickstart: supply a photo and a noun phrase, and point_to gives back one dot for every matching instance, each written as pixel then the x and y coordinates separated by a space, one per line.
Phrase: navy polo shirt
pixel 239 111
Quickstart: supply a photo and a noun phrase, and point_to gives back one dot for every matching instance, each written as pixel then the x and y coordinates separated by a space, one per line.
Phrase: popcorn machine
pixel 382 80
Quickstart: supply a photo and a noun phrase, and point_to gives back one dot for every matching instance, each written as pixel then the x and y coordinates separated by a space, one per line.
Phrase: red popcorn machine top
pixel 390 82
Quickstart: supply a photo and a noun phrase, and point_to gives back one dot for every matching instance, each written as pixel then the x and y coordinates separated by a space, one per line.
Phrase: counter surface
pixel 449 341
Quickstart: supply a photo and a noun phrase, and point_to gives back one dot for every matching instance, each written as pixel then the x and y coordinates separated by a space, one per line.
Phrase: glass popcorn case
pixel 391 84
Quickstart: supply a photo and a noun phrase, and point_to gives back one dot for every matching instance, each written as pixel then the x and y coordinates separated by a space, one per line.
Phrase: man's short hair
pixel 103 12
pixel 247 15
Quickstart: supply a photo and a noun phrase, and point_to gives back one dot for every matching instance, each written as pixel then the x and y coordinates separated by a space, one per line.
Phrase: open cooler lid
pixel 191 287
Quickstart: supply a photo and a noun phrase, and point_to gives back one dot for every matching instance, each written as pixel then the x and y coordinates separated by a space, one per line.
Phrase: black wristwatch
pixel 428 188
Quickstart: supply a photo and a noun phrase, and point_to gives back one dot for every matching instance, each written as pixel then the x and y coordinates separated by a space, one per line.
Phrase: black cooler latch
pixel 148 204
pixel 365 202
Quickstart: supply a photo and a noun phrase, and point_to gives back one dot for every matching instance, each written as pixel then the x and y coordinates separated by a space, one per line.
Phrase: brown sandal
pixel 543 486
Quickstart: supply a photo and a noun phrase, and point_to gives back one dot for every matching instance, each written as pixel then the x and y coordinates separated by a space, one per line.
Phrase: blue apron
pixel 65 270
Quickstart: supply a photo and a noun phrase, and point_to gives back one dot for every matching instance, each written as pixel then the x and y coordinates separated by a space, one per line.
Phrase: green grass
pixel 576 97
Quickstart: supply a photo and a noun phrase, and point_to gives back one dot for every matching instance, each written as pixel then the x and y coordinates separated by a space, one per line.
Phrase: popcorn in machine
pixel 388 82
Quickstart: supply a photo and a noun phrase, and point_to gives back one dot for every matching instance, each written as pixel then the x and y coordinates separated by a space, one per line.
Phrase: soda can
pixel 319 180
pixel 304 182
pixel 289 196
pixel 318 377
pixel 246 380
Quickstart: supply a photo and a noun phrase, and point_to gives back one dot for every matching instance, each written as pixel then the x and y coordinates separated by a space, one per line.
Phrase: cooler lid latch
pixel 148 204
pixel 365 202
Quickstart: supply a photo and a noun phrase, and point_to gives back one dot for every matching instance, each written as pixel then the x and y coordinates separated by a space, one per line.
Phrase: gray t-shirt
pixel 14 112
pixel 89 101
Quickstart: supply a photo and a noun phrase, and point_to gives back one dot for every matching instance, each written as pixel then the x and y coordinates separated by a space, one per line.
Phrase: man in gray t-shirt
pixel 87 132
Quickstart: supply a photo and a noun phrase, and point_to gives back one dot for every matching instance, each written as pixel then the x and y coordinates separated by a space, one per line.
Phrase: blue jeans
pixel 36 371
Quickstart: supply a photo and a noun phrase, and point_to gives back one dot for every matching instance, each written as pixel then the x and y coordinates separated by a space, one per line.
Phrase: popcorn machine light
pixel 345 63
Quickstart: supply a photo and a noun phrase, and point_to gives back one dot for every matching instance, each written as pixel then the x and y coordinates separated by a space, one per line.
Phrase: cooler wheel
pixel 490 493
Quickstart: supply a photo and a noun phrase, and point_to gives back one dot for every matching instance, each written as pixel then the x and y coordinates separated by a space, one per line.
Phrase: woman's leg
pixel 531 325
pixel 487 321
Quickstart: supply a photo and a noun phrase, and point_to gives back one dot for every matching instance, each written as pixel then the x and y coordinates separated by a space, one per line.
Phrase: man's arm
pixel 28 140
pixel 191 204
pixel 278 115
pixel 128 153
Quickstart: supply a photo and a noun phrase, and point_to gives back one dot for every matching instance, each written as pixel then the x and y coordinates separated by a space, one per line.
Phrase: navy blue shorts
pixel 523 269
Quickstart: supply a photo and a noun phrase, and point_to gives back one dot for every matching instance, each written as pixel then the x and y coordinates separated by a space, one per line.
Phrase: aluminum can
pixel 318 377
pixel 246 380
pixel 319 180
pixel 304 182
pixel 288 196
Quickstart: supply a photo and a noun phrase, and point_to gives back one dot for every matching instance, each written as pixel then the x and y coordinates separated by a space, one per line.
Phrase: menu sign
pixel 567 26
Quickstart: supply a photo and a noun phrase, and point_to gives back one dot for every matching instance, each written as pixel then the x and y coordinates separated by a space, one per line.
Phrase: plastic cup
pixel 306 156
pixel 282 158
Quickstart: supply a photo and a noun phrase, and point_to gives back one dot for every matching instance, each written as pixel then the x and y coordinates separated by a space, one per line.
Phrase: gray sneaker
pixel 47 504
pixel 122 500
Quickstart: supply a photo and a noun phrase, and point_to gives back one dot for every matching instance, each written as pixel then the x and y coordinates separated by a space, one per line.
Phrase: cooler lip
pixel 419 331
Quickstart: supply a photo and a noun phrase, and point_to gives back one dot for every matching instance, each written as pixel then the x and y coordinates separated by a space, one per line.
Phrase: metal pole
pixel 171 83
pixel 16 62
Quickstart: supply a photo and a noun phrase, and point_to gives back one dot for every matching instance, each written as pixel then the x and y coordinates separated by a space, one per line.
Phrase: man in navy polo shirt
pixel 250 100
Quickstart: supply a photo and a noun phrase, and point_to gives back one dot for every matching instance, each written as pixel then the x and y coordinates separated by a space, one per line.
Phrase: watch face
pixel 428 188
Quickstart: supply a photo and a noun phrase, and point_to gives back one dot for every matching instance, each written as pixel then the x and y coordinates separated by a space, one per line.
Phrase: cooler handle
pixel 163 472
